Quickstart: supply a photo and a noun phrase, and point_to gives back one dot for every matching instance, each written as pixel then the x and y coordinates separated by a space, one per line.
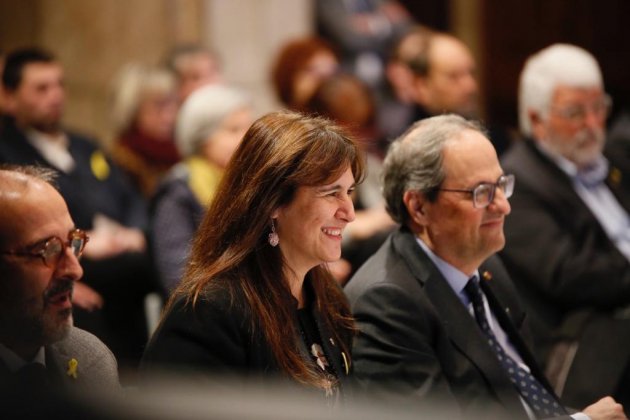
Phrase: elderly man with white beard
pixel 568 238
pixel 40 247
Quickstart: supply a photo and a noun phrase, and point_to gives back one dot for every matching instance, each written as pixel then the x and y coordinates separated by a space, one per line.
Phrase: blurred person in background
pixel 257 299
pixel 396 110
pixel 143 115
pixel 363 31
pixel 300 67
pixel 210 126
pixel 568 240
pixel 194 66
pixel 445 81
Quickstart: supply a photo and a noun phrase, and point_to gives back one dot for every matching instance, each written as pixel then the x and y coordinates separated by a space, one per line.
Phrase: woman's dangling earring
pixel 273 236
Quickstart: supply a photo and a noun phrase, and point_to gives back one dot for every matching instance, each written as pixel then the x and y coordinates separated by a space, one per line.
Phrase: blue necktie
pixel 538 398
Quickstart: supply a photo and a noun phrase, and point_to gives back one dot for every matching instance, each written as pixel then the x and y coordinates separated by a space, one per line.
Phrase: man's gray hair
pixel 558 64
pixel 414 161
pixel 202 113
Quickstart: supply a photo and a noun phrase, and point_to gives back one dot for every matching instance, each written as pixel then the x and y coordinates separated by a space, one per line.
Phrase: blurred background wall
pixel 94 38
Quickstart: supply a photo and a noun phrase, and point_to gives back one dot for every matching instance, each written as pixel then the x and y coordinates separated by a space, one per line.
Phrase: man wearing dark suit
pixel 437 315
pixel 568 239
pixel 39 261
pixel 118 271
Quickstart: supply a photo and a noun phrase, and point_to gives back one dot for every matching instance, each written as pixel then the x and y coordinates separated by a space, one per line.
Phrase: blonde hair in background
pixel 132 85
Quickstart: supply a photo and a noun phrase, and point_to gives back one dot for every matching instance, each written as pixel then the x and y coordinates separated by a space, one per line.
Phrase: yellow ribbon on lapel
pixel 73 365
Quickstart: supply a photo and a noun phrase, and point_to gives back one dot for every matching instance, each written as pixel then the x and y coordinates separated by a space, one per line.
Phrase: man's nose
pixel 500 202
pixel 69 266
pixel 594 118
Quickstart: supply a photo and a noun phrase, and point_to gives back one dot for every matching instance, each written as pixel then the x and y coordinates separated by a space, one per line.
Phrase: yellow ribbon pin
pixel 99 165
pixel 615 177
pixel 73 364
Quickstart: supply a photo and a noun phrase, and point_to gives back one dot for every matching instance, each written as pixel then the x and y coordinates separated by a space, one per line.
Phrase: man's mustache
pixel 60 286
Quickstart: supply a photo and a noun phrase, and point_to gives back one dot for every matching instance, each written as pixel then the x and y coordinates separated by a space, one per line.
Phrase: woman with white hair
pixel 210 125
pixel 143 115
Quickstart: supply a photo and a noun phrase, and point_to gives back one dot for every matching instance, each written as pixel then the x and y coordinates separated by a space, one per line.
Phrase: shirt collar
pixel 454 277
pixel 53 148
pixel 15 362
pixel 591 176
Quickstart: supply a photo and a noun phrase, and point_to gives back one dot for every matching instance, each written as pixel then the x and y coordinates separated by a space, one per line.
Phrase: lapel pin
pixel 487 276
pixel 614 177
pixel 73 364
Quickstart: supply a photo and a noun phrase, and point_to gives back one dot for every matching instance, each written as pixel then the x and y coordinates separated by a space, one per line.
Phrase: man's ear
pixel 416 203
pixel 421 90
pixel 539 128
pixel 8 99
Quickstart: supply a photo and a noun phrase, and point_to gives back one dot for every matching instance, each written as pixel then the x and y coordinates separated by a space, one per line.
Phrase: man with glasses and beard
pixel 568 238
pixel 40 249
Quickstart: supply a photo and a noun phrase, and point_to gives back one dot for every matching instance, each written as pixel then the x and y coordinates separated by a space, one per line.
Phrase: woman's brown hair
pixel 280 152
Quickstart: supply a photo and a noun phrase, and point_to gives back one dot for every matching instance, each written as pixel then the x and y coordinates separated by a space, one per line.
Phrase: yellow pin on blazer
pixel 73 364
pixel 487 275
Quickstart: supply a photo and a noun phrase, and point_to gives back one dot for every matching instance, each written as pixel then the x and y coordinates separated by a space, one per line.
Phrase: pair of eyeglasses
pixel 577 113
pixel 483 194
pixel 51 250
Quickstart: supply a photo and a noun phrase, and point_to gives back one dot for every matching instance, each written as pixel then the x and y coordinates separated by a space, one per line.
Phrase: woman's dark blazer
pixel 214 337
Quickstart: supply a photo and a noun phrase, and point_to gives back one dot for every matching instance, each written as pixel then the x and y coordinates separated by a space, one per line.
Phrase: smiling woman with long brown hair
pixel 257 297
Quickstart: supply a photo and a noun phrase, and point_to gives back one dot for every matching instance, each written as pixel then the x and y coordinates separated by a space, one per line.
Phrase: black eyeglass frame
pixel 508 181
pixel 77 239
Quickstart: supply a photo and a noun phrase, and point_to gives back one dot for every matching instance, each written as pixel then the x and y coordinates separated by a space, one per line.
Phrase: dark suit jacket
pixel 85 193
pixel 571 275
pixel 214 337
pixel 96 365
pixel 97 185
pixel 417 340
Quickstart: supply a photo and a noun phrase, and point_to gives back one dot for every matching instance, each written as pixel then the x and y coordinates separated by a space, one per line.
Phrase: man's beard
pixel 31 322
pixel 55 326
pixel 52 127
pixel 582 149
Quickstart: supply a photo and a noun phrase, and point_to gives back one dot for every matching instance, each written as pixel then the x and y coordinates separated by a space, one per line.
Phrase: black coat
pixel 215 337
pixel 573 278
pixel 418 341
pixel 95 185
